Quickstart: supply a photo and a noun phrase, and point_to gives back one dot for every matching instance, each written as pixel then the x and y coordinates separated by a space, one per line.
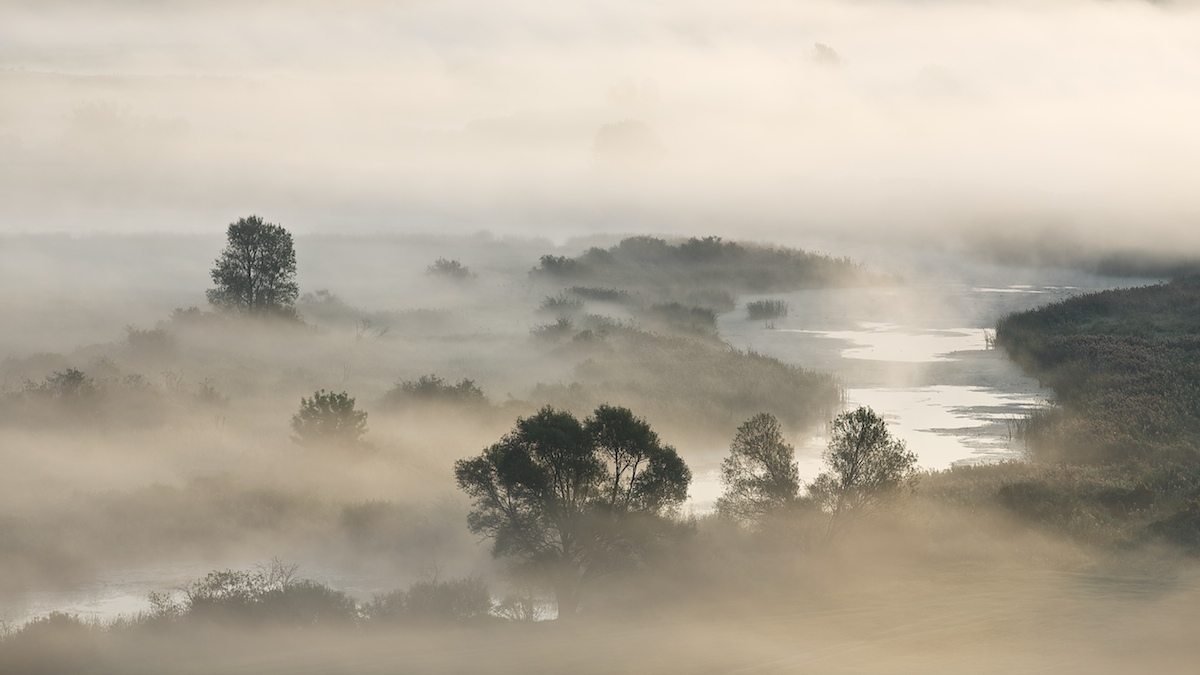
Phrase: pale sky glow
pixel 374 116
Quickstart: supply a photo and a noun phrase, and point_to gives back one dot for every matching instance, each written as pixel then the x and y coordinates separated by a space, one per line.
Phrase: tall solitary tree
pixel 568 501
pixel 760 474
pixel 867 468
pixel 256 272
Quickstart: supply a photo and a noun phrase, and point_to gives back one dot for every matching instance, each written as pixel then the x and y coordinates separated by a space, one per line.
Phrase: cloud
pixel 420 115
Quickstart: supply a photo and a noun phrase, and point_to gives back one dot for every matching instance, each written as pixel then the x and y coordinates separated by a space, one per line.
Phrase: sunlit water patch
pixel 890 342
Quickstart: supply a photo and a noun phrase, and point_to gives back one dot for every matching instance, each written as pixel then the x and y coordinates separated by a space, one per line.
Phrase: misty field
pixel 299 467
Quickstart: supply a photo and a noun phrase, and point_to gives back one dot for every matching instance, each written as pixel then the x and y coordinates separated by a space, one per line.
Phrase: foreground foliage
pixel 568 501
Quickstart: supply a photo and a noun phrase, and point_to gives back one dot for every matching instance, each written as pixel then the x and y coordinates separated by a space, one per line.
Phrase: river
pixel 916 353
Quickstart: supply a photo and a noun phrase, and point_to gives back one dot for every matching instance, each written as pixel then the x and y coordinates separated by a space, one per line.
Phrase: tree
pixel 867 467
pixel 256 272
pixel 329 419
pixel 560 498
pixel 760 474
pixel 643 474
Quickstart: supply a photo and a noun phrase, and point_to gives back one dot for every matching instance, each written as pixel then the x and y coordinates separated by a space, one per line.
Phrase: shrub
pixel 433 389
pixel 329 418
pixel 432 601
pixel 449 269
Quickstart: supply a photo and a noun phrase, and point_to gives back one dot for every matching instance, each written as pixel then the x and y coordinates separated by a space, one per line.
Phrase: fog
pixel 700 211
pixel 763 119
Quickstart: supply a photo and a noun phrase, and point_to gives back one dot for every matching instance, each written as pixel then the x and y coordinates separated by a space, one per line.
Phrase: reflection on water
pixel 917 355
pixel 890 342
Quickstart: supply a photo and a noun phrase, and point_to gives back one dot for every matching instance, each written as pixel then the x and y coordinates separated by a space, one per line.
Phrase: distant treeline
pixel 702 263
pixel 1125 365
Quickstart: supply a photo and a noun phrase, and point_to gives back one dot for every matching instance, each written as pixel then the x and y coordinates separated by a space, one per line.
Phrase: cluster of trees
pixel 568 501
pixel 708 262
pixel 560 497
pixel 866 468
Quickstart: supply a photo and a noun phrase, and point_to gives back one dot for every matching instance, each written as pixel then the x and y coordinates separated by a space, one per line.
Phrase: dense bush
pixel 329 418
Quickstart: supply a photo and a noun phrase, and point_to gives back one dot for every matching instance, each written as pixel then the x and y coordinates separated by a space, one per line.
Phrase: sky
pixel 761 118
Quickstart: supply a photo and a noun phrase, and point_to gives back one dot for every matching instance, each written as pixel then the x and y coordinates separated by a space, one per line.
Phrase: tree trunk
pixel 566 596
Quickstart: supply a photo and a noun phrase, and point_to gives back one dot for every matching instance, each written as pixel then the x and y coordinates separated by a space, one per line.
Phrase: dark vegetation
pixel 433 389
pixel 329 419
pixel 680 287
pixel 1125 366
pixel 701 264
pixel 569 502
pixel 256 272
pixel 1116 457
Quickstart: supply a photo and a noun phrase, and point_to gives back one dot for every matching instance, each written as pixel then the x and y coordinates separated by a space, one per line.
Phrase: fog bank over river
pixel 916 353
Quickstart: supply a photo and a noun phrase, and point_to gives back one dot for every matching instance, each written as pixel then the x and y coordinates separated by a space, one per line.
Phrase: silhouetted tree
pixel 256 272
pixel 643 474
pixel 760 474
pixel 867 467
pixel 329 418
pixel 558 496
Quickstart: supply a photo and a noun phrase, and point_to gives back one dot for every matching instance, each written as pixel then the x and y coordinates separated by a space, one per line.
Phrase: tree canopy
pixel 760 474
pixel 867 466
pixel 255 273
pixel 561 497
